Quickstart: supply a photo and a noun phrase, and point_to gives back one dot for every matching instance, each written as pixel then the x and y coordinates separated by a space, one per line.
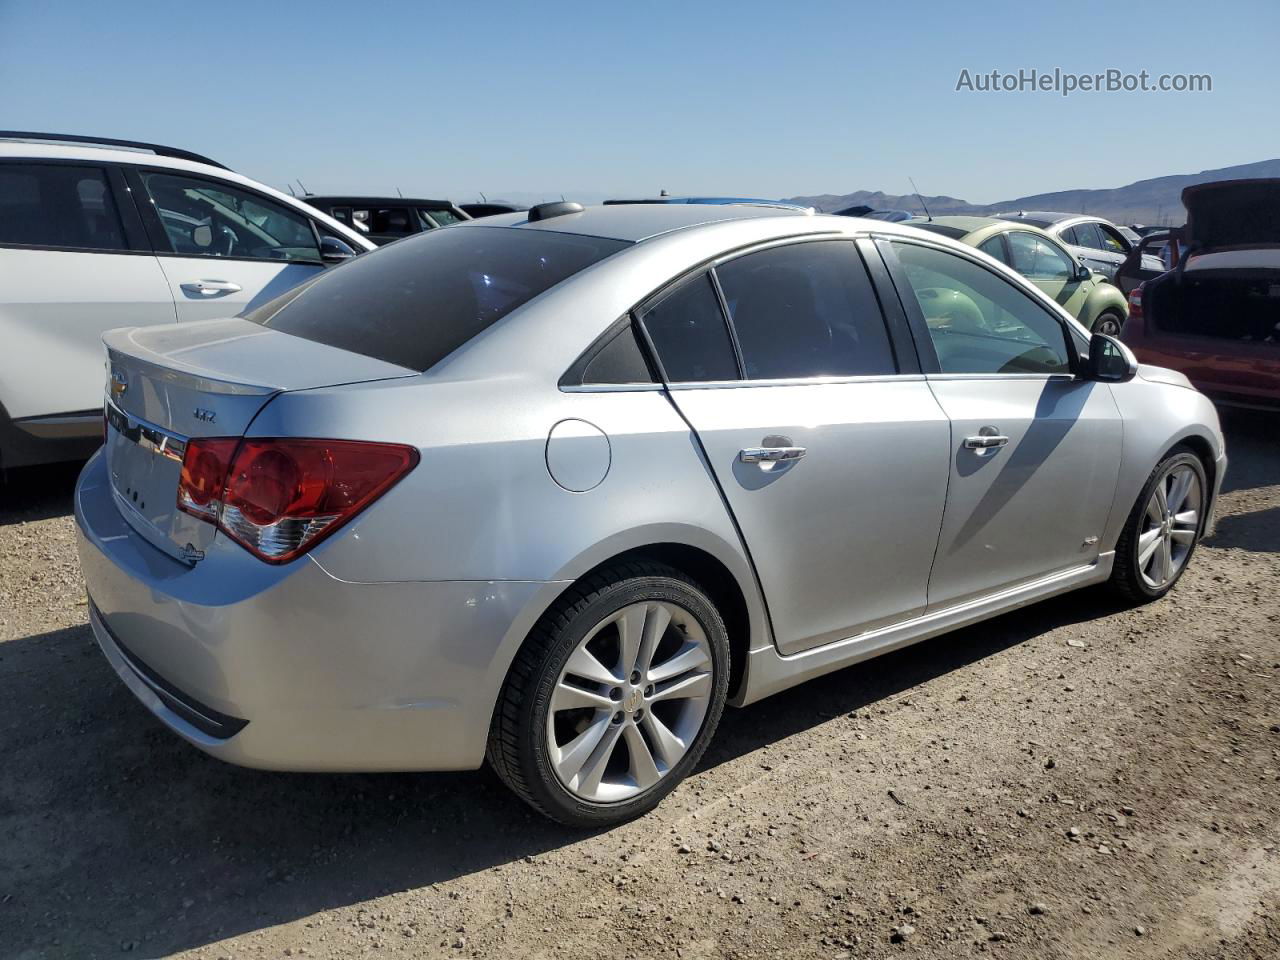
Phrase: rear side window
pixel 415 302
pixel 994 247
pixel 689 334
pixel 806 310
pixel 58 205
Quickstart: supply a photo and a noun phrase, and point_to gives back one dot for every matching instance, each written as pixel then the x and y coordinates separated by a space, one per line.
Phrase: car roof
pixel 634 221
pixel 1044 218
pixel 954 227
pixel 351 201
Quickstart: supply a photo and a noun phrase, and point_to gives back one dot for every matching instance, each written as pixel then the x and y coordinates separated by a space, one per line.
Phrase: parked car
pixel 487 209
pixel 1100 243
pixel 383 219
pixel 1154 254
pixel 1086 295
pixel 1216 315
pixel 715 201
pixel 98 233
pixel 526 489
pixel 871 213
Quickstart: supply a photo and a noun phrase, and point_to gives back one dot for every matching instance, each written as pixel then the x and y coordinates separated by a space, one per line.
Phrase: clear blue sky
pixel 607 98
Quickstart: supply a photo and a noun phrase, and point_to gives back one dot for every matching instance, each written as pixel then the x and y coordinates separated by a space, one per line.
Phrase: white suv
pixel 96 234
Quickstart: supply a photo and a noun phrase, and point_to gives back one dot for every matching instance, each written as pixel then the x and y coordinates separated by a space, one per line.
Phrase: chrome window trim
pixel 796 382
pixel 1002 376
pixel 612 388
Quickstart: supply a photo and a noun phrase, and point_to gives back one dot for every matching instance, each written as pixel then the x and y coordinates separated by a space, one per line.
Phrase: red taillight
pixel 204 470
pixel 280 497
pixel 1135 302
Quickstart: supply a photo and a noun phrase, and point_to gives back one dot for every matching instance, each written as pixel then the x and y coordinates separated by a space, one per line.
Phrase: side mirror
pixel 1082 270
pixel 1110 361
pixel 333 250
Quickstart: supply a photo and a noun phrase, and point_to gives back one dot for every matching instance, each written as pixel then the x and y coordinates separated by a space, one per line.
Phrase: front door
pixel 832 459
pixel 1050 268
pixel 1034 451
pixel 224 250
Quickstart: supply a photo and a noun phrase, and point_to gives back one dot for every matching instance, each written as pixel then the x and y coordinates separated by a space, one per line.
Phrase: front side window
pixel 979 322
pixel 806 310
pixel 688 333
pixel 437 217
pixel 58 205
pixel 1037 259
pixel 1111 239
pixel 204 218
pixel 416 301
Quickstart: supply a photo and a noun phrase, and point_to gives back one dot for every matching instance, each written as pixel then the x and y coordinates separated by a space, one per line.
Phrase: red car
pixel 1216 316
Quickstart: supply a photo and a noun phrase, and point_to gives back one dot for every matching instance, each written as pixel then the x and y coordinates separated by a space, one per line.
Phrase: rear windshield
pixel 414 302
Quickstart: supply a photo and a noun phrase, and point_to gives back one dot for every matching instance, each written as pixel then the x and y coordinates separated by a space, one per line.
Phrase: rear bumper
pixel 290 668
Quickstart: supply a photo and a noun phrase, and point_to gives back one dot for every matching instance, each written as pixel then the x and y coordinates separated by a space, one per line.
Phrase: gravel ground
pixel 1075 779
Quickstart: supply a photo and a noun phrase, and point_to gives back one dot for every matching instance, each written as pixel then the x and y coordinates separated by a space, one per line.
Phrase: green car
pixel 1088 296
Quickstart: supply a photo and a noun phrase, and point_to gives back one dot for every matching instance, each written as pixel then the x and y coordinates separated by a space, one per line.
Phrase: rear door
pixel 1034 451
pixel 74 262
pixel 224 248
pixel 819 428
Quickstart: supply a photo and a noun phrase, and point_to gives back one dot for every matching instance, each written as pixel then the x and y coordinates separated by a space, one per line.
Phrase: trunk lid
pixel 171 383
pixel 1232 213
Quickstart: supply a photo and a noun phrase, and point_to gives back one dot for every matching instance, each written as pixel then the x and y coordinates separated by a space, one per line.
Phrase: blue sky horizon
pixel 752 99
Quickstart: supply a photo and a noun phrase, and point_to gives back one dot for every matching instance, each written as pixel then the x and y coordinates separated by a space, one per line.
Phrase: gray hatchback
pixel 552 488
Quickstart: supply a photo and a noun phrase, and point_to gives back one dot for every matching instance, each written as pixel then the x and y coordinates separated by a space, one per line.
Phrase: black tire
pixel 1108 318
pixel 1126 575
pixel 517 748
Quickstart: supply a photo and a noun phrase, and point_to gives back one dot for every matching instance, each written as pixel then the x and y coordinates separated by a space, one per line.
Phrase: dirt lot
pixel 1073 780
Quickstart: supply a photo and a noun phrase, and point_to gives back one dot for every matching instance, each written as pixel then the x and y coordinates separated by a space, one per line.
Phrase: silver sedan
pixel 554 487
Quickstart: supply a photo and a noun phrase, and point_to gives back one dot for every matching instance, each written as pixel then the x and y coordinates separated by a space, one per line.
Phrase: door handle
pixel 985 442
pixel 209 288
pixel 770 454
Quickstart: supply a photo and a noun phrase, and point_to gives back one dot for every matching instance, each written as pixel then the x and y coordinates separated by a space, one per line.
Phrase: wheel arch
pixel 722 570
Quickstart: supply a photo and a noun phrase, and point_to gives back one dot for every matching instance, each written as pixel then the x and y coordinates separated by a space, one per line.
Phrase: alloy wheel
pixel 629 701
pixel 1170 525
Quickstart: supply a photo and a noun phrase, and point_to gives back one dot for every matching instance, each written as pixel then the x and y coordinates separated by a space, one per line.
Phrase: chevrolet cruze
pixel 553 487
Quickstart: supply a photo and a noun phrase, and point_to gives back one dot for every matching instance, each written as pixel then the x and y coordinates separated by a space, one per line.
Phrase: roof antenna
pixel 401 192
pixel 663 193
pixel 305 191
pixel 290 186
pixel 927 214
pixel 483 198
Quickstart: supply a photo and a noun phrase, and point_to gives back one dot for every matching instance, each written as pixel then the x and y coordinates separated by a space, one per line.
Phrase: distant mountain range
pixel 1155 201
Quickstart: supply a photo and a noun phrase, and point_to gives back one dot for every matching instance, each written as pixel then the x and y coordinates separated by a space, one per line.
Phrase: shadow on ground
pixel 37 493
pixel 116 833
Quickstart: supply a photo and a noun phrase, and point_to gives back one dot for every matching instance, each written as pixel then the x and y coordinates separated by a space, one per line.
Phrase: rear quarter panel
pixel 482 504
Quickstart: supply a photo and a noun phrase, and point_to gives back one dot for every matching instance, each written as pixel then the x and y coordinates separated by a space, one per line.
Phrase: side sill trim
pixel 769 672
pixel 63 426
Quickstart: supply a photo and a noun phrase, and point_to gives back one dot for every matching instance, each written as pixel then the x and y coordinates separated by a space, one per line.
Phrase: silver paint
pixel 386 646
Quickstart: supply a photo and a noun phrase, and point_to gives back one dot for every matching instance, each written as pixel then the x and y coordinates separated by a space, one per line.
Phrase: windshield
pixel 415 302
